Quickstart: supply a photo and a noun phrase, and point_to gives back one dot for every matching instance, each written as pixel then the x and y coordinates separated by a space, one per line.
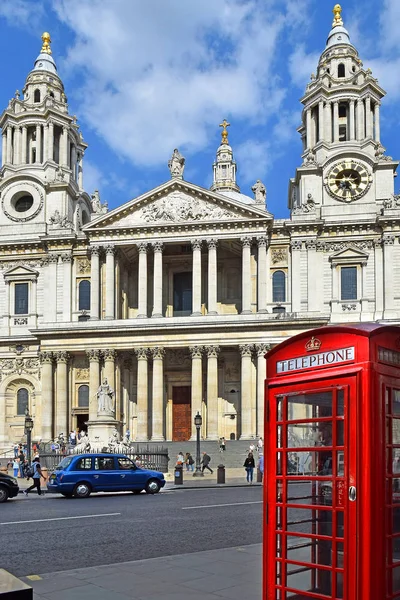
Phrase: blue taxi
pixel 82 474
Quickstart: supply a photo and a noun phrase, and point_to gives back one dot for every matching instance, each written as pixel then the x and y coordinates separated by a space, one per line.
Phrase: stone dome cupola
pixel 224 167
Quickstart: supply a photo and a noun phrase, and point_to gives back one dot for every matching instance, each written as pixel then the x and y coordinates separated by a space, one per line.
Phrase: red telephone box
pixel 332 485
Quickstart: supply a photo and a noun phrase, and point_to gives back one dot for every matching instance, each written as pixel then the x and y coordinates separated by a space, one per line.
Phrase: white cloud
pixel 302 64
pixel 159 75
pixel 21 12
pixel 254 159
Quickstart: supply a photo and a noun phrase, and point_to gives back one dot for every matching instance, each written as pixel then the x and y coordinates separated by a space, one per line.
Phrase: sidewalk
pixel 233 573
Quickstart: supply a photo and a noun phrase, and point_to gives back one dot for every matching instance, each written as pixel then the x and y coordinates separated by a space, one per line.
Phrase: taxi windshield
pixel 64 463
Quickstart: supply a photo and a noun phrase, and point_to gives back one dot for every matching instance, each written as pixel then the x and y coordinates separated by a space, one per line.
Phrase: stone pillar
pixel 45 141
pixel 6 320
pixel 94 381
pixel 110 282
pixel 261 350
pixel 246 275
pixel 212 277
pixel 109 357
pixel 336 121
pixel 17 146
pixel 352 119
pixel 9 145
pixel 24 145
pixel 52 287
pixel 127 390
pixel 33 299
pixel 73 161
pixel 157 280
pixel 62 359
pixel 389 304
pixel 321 132
pixel 196 291
pixel 245 389
pixel 80 171
pixel 142 395
pixel 50 142
pixel 64 147
pixel 67 286
pixel 308 129
pixel 379 305
pixel 212 392
pixel 313 276
pixel 296 246
pixel 368 117
pixel 360 118
pixel 38 144
pixel 47 413
pixel 196 353
pixel 262 274
pixel 94 282
pixel 157 413
pixel 142 292
pixel 377 122
pixel 3 148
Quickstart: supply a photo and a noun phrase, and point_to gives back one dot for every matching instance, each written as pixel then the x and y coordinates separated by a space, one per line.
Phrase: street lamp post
pixel 28 432
pixel 198 421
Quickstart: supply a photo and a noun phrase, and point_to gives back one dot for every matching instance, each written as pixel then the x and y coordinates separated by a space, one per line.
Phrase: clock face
pixel 348 181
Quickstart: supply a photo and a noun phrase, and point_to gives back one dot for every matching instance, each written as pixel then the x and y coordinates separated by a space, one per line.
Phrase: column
pixel 52 287
pixel 368 117
pixel 94 282
pixel 377 122
pixel 47 412
pixel 388 243
pixel 196 352
pixel 24 145
pixel 67 286
pixel 73 161
pixel 7 304
pixel 3 148
pixel 245 391
pixel 33 299
pixel 64 147
pixel 246 275
pixel 110 282
pixel 62 359
pixel 352 118
pixel 360 125
pixel 336 121
pixel 9 145
pixel 321 131
pixel 126 406
pixel 157 280
pixel 308 129
pixel 17 146
pixel 212 392
pixel 196 287
pixel 109 357
pixel 262 274
pixel 142 281
pixel 142 395
pixel 261 350
pixel 50 141
pixel 38 144
pixel 313 276
pixel 80 171
pixel 94 381
pixel 212 277
pixel 378 280
pixel 295 274
pixel 157 413
pixel 45 142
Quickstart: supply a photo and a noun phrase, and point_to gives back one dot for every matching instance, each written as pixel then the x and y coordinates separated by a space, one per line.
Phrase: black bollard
pixel 221 474
pixel 178 475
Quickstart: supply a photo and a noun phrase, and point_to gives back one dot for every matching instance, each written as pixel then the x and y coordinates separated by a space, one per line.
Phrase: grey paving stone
pixel 87 592
pixel 54 583
pixel 239 592
pixel 212 583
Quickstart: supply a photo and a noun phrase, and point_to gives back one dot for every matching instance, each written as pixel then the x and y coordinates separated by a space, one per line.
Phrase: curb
pixel 211 485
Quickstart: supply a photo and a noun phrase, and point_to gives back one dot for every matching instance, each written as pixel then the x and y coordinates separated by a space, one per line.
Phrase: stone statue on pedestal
pixel 176 164
pixel 105 398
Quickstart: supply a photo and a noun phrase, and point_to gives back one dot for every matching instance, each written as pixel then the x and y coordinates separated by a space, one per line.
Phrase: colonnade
pixel 144 248
pixel 151 401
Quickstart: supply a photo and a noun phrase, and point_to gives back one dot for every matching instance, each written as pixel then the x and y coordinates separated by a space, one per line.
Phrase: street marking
pixel 34 577
pixel 217 505
pixel 60 519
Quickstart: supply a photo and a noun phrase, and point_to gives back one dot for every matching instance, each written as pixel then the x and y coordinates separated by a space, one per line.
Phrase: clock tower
pixel 345 172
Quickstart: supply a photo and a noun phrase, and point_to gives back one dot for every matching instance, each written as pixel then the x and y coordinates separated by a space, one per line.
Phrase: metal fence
pixel 150 457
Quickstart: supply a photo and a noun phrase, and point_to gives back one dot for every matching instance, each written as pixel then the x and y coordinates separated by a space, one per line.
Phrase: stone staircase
pixel 233 457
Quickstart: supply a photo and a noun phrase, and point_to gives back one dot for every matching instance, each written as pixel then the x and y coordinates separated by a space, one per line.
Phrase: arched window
pixel 341 70
pixel 22 401
pixel 36 96
pixel 84 295
pixel 278 287
pixel 83 396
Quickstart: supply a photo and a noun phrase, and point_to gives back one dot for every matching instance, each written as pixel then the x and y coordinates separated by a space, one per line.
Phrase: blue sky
pixel 147 76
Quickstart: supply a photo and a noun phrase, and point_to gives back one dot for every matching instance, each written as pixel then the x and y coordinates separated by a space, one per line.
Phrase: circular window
pixel 24 203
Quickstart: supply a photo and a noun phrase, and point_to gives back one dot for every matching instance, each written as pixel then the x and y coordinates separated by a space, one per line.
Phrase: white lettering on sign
pixel 389 356
pixel 315 360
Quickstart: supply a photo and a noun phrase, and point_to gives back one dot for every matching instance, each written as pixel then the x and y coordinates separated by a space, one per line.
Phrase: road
pixel 52 533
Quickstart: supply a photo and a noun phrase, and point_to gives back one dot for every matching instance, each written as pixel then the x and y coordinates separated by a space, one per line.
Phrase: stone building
pixel 175 296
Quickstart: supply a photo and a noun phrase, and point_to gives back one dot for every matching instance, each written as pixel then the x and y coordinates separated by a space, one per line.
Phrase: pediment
pixel 349 254
pixel 176 203
pixel 21 272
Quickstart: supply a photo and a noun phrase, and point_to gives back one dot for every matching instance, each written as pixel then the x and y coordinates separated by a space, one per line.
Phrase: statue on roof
pixel 176 164
pixel 260 192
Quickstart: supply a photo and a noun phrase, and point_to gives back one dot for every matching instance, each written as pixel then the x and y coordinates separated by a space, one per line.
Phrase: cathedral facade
pixel 175 296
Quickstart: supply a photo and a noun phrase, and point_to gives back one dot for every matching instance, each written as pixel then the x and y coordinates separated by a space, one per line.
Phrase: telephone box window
pixel 21 298
pixel 348 280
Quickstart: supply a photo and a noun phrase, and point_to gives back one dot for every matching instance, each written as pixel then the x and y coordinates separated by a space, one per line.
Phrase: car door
pixel 130 476
pixel 105 477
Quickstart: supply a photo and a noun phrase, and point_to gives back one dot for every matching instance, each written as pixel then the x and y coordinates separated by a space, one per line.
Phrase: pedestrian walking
pixel 261 465
pixel 205 462
pixel 36 476
pixel 180 459
pixel 16 450
pixel 249 465
pixel 189 462
pixel 16 466
pixel 222 444
pixel 21 459
pixel 252 447
pixel 260 445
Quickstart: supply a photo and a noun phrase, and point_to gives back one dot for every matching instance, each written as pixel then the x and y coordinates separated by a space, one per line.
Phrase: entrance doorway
pixel 81 422
pixel 181 413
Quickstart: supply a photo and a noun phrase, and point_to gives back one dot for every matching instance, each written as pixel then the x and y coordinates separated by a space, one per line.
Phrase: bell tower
pixel 41 176
pixel 224 168
pixel 345 170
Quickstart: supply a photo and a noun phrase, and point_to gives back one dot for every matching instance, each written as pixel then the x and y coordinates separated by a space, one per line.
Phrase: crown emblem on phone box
pixel 313 344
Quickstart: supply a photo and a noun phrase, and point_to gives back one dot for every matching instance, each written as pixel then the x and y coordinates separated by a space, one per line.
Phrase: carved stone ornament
pixel 82 374
pixel 110 249
pixel 196 244
pixel 93 355
pixel 392 203
pixel 157 246
pixel 109 354
pixel 142 353
pixel 262 242
pixel 307 207
pixel 212 244
pixel 310 159
pixel 246 242
pixel 296 244
pixel 178 207
pixel 388 240
pixel 46 357
pixel 83 266
pixel 176 164
pixel 31 213
pixel 232 372
pixel 18 348
pixel 196 351
pixel 246 349
pixel 142 247
pixel 262 349
pixel 260 192
pixel 178 358
pixel 18 365
pixel 380 153
pixel 58 221
pixel 278 255
pixel 212 351
pixel 66 258
pixel 19 263
pixel 94 250
pixel 349 307
pixel 157 353
pixel 62 356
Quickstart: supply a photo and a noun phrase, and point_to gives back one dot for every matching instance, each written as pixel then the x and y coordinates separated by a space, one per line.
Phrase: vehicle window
pixel 64 463
pixel 125 463
pixel 84 464
pixel 103 463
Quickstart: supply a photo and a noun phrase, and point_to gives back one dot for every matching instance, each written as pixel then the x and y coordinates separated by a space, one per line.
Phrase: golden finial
pixel 46 43
pixel 224 126
pixel 337 11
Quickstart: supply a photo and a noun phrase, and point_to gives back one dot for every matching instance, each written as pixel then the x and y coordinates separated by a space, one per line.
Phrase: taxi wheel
pixel 152 487
pixel 3 494
pixel 82 490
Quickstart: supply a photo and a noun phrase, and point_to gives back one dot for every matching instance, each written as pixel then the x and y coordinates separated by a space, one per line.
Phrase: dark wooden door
pixel 181 413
